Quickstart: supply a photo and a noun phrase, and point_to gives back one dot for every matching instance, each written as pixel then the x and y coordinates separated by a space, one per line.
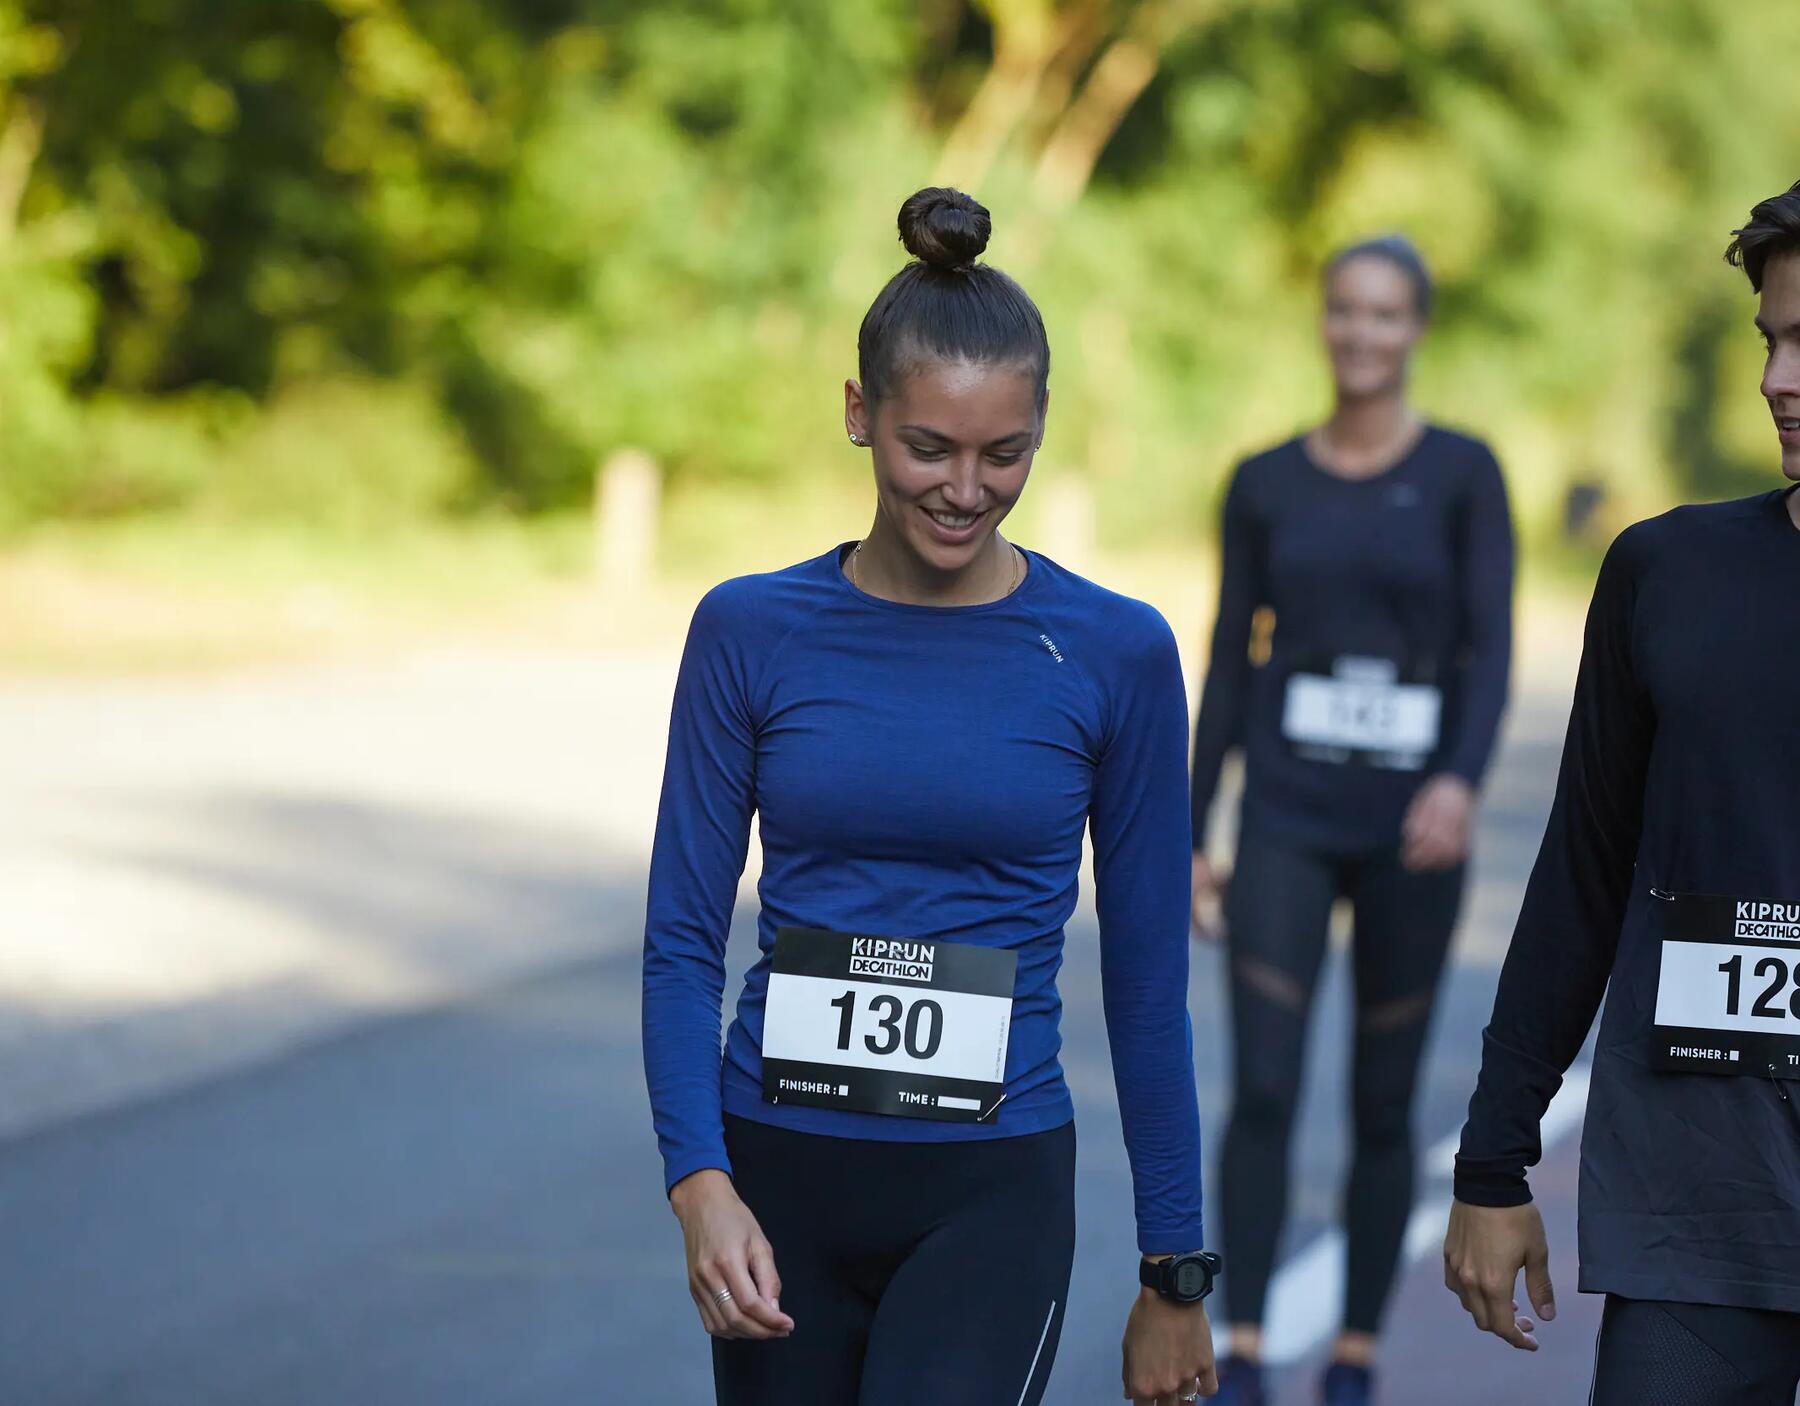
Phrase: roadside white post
pixel 627 501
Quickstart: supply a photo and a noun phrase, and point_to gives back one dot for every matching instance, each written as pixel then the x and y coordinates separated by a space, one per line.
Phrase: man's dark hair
pixel 1774 228
pixel 944 304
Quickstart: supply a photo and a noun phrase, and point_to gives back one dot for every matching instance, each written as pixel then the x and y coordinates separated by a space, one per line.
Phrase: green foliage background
pixel 350 263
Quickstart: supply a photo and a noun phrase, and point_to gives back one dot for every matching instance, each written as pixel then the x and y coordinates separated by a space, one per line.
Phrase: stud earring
pixel 859 442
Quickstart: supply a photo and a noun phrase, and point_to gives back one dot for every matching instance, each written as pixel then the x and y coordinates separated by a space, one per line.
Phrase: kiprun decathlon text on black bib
pixel 915 1028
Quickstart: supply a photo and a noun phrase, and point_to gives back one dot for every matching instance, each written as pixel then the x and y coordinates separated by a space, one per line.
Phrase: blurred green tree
pixel 531 231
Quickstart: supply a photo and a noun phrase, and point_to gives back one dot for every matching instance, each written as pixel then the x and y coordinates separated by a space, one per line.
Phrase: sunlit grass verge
pixel 182 593
pixel 185 593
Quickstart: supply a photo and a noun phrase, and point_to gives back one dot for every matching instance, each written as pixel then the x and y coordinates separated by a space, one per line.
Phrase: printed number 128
pixel 1765 1005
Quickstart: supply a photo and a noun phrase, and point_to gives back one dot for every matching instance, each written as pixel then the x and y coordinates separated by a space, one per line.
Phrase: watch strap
pixel 1160 1275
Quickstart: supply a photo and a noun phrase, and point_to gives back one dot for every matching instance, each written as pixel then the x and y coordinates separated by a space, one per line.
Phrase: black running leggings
pixel 917 1274
pixel 1687 1354
pixel 1278 913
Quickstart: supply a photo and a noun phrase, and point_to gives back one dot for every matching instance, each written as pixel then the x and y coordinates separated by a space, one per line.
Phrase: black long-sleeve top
pixel 1413 566
pixel 1680 775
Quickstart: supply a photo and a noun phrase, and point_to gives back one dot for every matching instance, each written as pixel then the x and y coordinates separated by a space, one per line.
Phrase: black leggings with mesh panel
pixel 1687 1354
pixel 1278 912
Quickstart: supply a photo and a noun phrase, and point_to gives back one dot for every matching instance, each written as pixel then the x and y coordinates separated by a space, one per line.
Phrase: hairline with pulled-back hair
pixel 1773 228
pixel 1399 252
pixel 944 305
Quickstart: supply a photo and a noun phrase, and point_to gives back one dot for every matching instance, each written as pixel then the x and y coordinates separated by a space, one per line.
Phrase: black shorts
pixel 1687 1354
pixel 917 1274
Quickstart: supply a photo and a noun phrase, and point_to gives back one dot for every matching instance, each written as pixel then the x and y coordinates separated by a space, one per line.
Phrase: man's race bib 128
pixel 1361 712
pixel 916 1028
pixel 1728 992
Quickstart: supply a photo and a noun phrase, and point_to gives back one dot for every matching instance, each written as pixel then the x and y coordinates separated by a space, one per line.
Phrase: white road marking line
pixel 1306 1297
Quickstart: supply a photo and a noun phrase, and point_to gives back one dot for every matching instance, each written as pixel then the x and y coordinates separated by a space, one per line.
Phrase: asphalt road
pixel 463 1205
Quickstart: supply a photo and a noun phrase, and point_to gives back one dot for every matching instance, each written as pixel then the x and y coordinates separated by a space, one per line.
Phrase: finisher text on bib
pixel 916 1028
pixel 1362 712
pixel 1728 995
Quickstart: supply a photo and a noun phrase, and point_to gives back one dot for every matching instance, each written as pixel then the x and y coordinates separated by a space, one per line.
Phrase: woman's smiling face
pixel 1372 321
pixel 952 443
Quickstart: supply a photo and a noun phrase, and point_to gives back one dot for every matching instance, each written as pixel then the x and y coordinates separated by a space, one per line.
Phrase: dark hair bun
pixel 944 227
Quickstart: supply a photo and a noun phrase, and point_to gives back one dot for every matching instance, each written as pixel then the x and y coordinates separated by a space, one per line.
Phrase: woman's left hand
pixel 1435 834
pixel 1168 1352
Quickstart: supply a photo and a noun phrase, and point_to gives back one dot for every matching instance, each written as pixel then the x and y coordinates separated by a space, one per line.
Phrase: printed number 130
pixel 920 1036
pixel 1765 1004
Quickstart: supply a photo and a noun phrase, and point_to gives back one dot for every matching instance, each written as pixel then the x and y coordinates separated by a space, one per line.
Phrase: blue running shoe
pixel 1240 1383
pixel 1347 1384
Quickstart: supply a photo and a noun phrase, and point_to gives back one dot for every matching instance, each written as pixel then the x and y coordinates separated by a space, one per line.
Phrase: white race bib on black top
pixel 887 1025
pixel 1361 712
pixel 1728 992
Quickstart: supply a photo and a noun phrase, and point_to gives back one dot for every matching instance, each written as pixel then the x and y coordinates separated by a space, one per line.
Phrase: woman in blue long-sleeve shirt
pixel 876 1183
pixel 1381 547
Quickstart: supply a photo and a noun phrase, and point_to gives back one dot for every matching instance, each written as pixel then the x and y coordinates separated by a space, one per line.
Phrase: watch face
pixel 1190 1279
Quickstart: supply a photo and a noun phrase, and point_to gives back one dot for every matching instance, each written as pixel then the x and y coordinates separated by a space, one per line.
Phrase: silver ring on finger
pixel 721 1298
pixel 1193 1395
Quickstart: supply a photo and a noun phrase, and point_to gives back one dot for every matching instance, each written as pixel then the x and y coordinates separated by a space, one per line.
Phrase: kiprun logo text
pixel 1779 920
pixel 883 956
pixel 1050 645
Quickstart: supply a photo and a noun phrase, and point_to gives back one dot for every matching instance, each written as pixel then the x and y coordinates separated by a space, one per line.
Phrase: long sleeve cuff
pixel 1479 1185
pixel 1470 769
pixel 1501 1139
pixel 679 1168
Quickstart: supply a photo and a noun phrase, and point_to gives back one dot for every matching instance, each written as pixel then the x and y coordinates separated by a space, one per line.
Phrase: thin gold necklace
pixel 1018 568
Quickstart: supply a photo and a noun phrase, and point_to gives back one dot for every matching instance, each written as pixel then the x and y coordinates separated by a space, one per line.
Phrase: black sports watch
pixel 1182 1278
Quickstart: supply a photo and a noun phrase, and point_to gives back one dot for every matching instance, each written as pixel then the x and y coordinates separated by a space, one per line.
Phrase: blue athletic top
pixel 1679 776
pixel 927 772
pixel 1413 566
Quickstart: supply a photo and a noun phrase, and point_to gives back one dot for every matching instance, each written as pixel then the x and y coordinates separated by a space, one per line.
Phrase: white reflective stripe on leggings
pixel 1594 1384
pixel 1043 1338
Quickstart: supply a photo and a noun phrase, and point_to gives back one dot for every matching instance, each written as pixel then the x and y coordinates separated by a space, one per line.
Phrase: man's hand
pixel 1484 1250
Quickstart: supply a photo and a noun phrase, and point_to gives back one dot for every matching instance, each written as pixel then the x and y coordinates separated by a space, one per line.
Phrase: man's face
pixel 1779 322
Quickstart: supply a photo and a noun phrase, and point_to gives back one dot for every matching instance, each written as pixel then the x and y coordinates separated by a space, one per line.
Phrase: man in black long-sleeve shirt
pixel 1668 880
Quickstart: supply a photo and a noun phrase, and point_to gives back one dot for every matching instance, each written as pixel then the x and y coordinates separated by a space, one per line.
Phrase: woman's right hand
pixel 726 1249
pixel 1209 893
